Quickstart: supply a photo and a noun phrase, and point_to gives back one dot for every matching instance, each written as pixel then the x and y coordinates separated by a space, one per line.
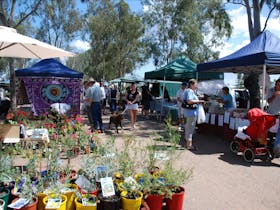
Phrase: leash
pixel 124 110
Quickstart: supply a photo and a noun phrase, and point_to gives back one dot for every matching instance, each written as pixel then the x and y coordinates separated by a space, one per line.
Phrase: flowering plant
pixel 18 117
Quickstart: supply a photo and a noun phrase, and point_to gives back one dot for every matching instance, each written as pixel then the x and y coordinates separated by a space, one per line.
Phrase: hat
pixel 184 84
pixel 91 80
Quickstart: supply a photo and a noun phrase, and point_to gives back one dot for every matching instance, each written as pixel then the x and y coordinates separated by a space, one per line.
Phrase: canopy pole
pixel 162 99
pixel 263 87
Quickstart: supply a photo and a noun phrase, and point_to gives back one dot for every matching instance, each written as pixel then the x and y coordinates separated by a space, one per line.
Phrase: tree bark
pixel 12 85
pixel 251 82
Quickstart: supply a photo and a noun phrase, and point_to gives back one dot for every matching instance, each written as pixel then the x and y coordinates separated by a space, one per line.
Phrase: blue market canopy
pixel 48 68
pixel 180 69
pixel 262 52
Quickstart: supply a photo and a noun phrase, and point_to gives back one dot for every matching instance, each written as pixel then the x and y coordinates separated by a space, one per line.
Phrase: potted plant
pixel 27 196
pixel 131 195
pixel 174 179
pixel 54 198
pixel 2 204
pixel 85 202
pixel 154 189
pixel 8 174
pixel 87 175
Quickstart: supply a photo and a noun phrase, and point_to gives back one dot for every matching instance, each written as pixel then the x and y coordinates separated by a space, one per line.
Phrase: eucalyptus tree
pixel 188 27
pixel 18 15
pixel 254 9
pixel 117 44
pixel 60 22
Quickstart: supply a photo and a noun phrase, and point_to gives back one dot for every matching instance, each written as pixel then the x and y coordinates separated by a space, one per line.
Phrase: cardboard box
pixel 9 133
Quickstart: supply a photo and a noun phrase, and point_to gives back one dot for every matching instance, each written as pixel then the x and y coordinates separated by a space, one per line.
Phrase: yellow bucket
pixel 41 205
pixel 62 205
pixel 79 206
pixel 70 204
pixel 131 204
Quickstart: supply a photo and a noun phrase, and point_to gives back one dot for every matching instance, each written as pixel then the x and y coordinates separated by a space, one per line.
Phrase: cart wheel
pixel 234 146
pixel 249 155
pixel 270 155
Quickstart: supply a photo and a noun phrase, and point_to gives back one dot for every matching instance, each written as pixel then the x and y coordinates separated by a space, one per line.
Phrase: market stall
pixel 262 55
pixel 48 82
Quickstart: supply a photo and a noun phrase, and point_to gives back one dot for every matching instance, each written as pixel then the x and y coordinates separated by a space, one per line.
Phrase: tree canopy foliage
pixel 190 27
pixel 116 36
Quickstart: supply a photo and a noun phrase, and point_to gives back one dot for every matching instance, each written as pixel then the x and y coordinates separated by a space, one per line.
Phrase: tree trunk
pixel 12 84
pixel 251 82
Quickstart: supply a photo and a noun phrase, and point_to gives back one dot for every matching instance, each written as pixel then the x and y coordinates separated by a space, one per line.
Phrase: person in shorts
pixel 132 96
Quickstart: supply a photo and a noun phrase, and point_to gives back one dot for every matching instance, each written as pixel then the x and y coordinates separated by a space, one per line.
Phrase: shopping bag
pixel 201 118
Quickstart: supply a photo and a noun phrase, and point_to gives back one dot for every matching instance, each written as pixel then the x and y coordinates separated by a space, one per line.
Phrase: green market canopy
pixel 181 69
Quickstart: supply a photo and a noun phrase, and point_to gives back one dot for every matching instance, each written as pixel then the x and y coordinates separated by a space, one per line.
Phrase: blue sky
pixel 239 38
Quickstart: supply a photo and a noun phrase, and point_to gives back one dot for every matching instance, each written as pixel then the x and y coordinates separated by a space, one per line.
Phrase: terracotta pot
pixel 176 203
pixel 155 202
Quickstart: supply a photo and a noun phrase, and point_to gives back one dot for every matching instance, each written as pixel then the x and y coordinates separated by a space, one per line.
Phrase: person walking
pixel 103 97
pixel 95 96
pixel 179 98
pixel 146 98
pixel 87 101
pixel 113 98
pixel 191 99
pixel 132 96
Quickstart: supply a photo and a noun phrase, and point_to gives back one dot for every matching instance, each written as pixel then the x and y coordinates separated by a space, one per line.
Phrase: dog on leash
pixel 117 120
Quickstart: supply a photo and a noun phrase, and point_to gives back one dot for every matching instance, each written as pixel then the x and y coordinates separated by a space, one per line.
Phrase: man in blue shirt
pixel 95 95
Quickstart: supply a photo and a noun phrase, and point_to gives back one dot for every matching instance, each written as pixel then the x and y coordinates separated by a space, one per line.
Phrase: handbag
pixel 185 105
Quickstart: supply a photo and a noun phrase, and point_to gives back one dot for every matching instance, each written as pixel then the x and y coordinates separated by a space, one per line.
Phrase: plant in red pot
pixel 154 189
pixel 27 197
pixel 174 179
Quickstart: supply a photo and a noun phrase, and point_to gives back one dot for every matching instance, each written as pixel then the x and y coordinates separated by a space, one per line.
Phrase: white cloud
pixel 80 46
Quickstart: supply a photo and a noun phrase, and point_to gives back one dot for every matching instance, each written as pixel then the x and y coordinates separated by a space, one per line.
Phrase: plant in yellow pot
pixel 131 196
pixel 85 201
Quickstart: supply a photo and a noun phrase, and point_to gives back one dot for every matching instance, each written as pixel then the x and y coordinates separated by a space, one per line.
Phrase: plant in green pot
pixel 2 204
pixel 7 173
